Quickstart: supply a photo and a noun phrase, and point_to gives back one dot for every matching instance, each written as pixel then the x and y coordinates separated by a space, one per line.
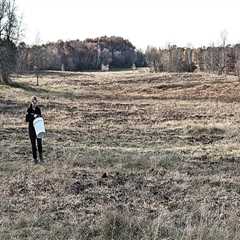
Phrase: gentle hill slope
pixel 129 154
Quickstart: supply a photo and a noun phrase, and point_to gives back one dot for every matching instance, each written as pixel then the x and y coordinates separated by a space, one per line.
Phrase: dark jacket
pixel 30 118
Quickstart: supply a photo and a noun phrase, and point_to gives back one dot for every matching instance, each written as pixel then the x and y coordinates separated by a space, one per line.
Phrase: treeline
pixel 117 52
pixel 208 59
pixel 77 55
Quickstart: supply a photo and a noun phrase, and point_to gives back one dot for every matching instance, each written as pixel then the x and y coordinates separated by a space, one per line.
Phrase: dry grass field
pixel 129 155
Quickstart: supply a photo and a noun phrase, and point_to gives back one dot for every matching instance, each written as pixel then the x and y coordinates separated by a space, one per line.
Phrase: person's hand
pixel 35 115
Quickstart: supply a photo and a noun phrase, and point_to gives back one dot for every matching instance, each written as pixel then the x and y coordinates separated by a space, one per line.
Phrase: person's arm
pixel 29 116
pixel 39 114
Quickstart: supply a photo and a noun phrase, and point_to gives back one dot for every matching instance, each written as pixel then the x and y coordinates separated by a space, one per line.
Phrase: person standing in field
pixel 32 113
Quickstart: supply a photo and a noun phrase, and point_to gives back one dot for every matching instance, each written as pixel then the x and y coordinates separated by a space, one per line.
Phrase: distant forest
pixel 221 59
pixel 117 52
pixel 78 55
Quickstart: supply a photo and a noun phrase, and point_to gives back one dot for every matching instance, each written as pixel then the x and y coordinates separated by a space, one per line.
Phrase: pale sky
pixel 143 22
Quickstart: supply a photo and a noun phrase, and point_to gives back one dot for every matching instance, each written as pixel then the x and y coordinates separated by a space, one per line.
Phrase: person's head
pixel 34 101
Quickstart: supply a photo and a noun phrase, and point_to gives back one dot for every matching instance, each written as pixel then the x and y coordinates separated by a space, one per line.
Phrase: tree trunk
pixel 4 78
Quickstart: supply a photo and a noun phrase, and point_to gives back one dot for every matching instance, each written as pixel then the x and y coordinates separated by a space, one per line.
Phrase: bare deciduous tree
pixel 237 69
pixel 153 57
pixel 105 56
pixel 222 53
pixel 223 36
pixel 9 34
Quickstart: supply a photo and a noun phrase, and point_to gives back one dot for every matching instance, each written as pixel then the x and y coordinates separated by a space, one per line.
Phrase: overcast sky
pixel 143 22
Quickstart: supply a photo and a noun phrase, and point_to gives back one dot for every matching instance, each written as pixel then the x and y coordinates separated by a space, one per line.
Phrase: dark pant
pixel 33 139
